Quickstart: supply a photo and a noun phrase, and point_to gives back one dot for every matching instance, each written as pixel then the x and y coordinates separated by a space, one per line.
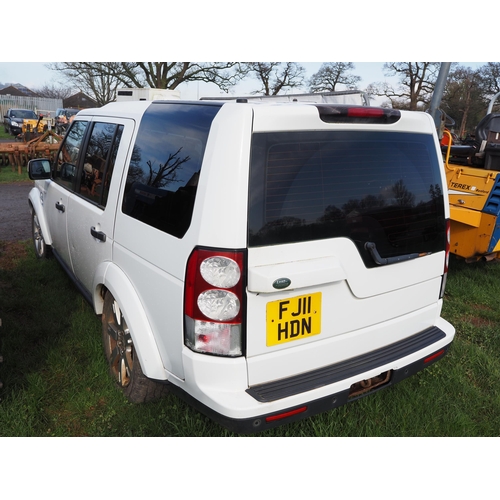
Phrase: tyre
pixel 42 250
pixel 124 365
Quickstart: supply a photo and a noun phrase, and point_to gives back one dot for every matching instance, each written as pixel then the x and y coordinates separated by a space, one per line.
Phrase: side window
pixel 111 164
pixel 165 165
pixel 99 161
pixel 67 160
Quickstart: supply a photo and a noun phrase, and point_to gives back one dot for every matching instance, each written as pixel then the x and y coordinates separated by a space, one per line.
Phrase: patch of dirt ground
pixel 10 253
pixel 15 217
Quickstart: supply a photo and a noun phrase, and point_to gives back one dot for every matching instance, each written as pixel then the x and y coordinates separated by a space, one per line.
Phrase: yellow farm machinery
pixel 473 175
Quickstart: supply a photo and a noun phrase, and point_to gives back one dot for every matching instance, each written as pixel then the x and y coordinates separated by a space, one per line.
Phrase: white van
pixel 268 261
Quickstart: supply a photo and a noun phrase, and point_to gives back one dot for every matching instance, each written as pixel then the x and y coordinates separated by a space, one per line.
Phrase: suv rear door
pixel 92 207
pixel 346 238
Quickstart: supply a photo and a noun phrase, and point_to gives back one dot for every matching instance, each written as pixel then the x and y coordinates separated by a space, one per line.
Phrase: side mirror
pixel 38 169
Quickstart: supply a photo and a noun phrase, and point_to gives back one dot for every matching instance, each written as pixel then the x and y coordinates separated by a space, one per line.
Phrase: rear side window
pixel 165 165
pixel 99 161
pixel 372 187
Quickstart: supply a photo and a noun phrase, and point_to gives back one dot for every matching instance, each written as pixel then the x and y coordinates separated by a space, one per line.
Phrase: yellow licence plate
pixel 294 318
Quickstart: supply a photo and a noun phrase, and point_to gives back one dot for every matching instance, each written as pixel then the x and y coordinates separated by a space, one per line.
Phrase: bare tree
pixel 101 80
pixel 97 80
pixel 332 74
pixel 490 74
pixel 416 84
pixel 54 92
pixel 464 98
pixel 275 76
pixel 491 77
pixel 169 75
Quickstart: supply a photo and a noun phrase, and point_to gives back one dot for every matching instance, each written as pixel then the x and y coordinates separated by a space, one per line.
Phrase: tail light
pixel 214 302
pixel 446 260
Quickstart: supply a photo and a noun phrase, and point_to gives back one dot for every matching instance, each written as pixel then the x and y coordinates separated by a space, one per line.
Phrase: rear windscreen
pixel 372 187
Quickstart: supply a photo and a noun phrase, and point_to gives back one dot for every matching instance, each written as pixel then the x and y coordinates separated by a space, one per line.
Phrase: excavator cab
pixel 488 139
pixel 481 150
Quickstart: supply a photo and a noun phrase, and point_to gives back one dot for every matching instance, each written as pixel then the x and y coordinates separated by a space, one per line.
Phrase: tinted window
pixel 99 161
pixel 67 160
pixel 111 165
pixel 165 165
pixel 383 188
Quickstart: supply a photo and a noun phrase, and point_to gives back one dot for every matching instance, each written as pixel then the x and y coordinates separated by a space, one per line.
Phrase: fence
pixel 37 104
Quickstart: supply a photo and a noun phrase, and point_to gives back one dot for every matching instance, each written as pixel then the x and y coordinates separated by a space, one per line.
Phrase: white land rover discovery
pixel 269 261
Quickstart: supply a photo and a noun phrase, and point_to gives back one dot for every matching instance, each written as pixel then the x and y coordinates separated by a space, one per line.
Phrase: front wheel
pixel 124 365
pixel 42 250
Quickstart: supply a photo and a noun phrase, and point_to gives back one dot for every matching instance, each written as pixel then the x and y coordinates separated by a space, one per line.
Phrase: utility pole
pixel 437 96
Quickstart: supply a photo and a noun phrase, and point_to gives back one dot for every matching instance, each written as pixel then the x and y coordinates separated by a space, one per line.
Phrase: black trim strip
pixel 340 371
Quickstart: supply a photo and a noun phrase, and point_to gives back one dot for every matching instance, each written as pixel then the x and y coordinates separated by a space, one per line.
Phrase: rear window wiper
pixel 381 261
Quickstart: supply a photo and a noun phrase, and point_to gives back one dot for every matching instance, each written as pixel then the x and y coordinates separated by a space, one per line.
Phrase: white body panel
pixel 87 251
pixel 57 196
pixel 127 94
pixel 362 309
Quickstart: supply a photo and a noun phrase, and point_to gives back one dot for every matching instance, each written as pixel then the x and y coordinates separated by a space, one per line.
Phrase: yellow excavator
pixel 473 178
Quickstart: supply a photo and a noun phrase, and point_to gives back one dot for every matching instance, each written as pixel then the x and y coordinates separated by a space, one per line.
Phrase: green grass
pixel 6 173
pixel 7 176
pixel 56 381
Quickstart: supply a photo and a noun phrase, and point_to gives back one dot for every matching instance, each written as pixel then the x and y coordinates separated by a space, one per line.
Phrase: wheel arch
pixel 116 282
pixel 36 206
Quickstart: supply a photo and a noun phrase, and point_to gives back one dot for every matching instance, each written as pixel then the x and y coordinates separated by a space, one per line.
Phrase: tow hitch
pixel 370 384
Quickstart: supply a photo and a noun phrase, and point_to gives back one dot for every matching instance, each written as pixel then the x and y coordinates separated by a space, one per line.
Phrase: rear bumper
pixel 266 421
pixel 242 409
pixel 347 369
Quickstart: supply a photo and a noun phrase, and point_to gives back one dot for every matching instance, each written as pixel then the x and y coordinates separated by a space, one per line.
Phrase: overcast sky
pixel 36 74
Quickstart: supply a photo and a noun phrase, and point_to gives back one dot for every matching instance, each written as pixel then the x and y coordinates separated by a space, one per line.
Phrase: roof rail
pixel 338 97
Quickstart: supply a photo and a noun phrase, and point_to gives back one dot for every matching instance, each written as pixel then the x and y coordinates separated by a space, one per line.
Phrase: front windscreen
pixel 371 187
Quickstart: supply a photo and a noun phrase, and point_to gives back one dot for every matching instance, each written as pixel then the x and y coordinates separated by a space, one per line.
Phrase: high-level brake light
pixel 365 112
pixel 357 114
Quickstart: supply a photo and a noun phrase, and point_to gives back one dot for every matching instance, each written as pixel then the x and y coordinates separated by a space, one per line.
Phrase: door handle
pixel 60 207
pixel 97 234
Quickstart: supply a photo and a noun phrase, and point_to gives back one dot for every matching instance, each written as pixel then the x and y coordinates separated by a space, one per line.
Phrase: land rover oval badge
pixel 281 283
